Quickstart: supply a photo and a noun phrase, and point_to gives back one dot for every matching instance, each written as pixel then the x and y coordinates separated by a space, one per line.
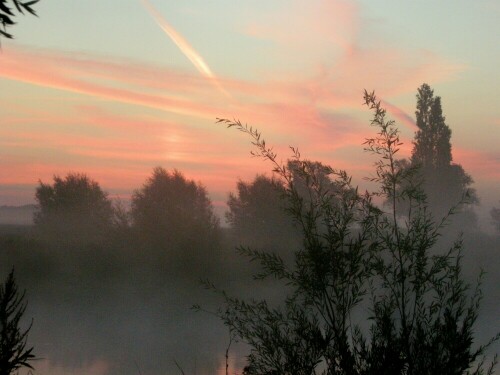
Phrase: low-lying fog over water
pixel 124 311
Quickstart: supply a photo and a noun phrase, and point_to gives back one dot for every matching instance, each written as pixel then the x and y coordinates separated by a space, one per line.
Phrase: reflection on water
pixel 98 367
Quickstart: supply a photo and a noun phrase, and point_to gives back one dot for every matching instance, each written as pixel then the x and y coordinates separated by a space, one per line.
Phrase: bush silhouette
pixel 14 353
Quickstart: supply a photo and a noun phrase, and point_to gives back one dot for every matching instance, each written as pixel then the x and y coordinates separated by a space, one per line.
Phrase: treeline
pixel 103 267
pixel 92 266
pixel 169 217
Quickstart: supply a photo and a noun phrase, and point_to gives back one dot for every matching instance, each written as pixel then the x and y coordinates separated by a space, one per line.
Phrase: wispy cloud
pixel 309 105
pixel 184 46
pixel 44 69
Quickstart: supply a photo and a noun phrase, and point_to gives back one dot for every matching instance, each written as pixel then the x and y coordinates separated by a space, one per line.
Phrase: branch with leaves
pixel 14 352
pixel 422 312
pixel 8 13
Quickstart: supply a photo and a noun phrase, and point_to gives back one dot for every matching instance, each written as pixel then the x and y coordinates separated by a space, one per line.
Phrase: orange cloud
pixel 484 166
pixel 333 88
pixel 309 106
pixel 45 70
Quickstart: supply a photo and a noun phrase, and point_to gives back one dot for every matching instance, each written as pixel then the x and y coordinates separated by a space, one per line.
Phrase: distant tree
pixel 73 208
pixel 303 170
pixel 169 206
pixel 495 216
pixel 432 146
pixel 257 213
pixel 444 183
pixel 357 258
pixel 173 217
pixel 14 353
pixel 8 13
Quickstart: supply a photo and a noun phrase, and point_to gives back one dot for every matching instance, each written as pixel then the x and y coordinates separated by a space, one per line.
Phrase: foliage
pixel 257 214
pixel 174 224
pixel 250 205
pixel 444 183
pixel 7 13
pixel 423 310
pixel 495 216
pixel 355 257
pixel 432 140
pixel 14 353
pixel 74 206
pixel 169 208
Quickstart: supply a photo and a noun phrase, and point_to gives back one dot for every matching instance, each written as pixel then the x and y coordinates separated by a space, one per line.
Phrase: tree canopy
pixel 257 213
pixel 495 216
pixel 432 148
pixel 73 207
pixel 444 183
pixel 174 223
pixel 169 208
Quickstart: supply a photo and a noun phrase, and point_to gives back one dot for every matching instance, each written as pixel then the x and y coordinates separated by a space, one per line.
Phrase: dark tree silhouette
pixel 257 214
pixel 356 258
pixel 432 140
pixel 301 170
pixel 168 207
pixel 173 219
pixel 73 208
pixel 8 13
pixel 445 183
pixel 495 216
pixel 14 353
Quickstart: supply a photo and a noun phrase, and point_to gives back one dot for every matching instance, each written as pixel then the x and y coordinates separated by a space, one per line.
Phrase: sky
pixel 115 88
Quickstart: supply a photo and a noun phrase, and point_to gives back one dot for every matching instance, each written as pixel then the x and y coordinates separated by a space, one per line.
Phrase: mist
pixel 120 302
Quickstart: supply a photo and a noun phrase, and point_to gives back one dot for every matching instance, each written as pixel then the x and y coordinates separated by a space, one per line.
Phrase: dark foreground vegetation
pixel 348 282
pixel 10 10
pixel 367 292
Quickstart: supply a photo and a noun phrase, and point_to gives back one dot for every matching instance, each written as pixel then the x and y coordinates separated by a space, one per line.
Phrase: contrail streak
pixel 184 46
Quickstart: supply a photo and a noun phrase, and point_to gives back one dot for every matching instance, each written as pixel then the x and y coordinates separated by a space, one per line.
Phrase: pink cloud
pixel 332 87
pixel 300 109
pixel 481 165
pixel 45 70
pixel 315 25
pixel 400 115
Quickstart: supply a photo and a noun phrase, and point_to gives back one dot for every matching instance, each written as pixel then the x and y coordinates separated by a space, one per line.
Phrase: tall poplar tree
pixel 445 183
pixel 432 140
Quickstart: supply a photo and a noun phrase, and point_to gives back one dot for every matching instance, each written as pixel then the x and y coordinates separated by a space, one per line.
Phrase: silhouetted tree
pixel 444 182
pixel 303 170
pixel 14 354
pixel 495 216
pixel 174 217
pixel 422 314
pixel 168 207
pixel 73 208
pixel 7 13
pixel 257 214
pixel 432 140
